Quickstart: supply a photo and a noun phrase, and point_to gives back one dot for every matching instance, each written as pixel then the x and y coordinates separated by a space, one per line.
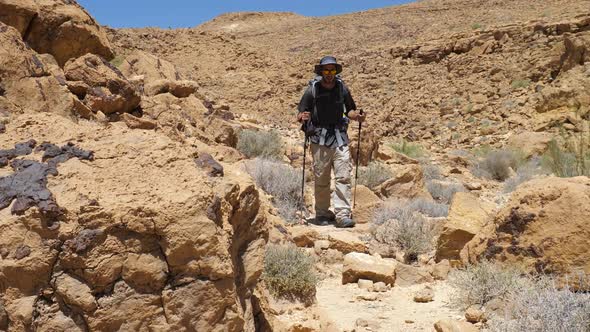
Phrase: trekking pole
pixel 358 154
pixel 303 177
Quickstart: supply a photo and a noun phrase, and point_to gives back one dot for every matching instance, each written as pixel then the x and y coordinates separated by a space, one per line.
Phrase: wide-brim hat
pixel 328 60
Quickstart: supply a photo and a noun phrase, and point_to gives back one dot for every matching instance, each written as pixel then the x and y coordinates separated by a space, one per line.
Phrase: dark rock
pixel 22 251
pixel 214 211
pixel 85 239
pixel 2 128
pixel 206 162
pixel 3 318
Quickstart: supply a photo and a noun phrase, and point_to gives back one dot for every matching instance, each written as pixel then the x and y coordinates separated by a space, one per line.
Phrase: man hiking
pixel 324 111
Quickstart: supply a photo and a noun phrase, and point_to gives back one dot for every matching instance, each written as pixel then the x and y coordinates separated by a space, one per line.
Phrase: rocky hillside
pixel 128 204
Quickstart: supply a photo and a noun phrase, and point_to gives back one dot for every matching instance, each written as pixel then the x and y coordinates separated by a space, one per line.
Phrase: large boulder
pixel 543 228
pixel 362 266
pixel 61 28
pixel 126 253
pixel 467 216
pixel 408 182
pixel 103 87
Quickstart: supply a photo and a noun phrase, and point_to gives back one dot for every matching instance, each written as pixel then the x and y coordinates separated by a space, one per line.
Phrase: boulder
pixel 530 143
pixel 74 292
pixel 542 229
pixel 304 236
pixel 108 90
pixel 474 315
pixel 134 122
pixel 408 275
pixel 441 270
pixel 180 89
pixel 467 216
pixel 61 28
pixel 450 325
pixel 346 242
pixel 424 296
pixel 362 266
pixel 366 203
pixel 145 272
pixel 152 68
pixel 408 182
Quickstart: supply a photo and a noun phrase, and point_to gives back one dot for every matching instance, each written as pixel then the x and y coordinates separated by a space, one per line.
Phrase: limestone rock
pixel 380 287
pixel 109 91
pixel 365 284
pixel 362 266
pixel 408 275
pixel 408 182
pixel 134 122
pixel 61 28
pixel 346 242
pixel 206 162
pixel 304 236
pixel 180 89
pixel 441 270
pixel 366 203
pixel 467 216
pixel 542 229
pixel 530 143
pixel 152 68
pixel 424 296
pixel 449 325
pixel 145 272
pixel 74 292
pixel 474 315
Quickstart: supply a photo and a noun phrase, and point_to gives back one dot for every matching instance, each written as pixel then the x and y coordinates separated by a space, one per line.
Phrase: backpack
pixel 309 128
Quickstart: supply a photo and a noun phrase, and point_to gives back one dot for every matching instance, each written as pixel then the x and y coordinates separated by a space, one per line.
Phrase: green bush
pixel 254 143
pixel 289 273
pixel 281 181
pixel 411 150
pixel 520 83
pixel 374 174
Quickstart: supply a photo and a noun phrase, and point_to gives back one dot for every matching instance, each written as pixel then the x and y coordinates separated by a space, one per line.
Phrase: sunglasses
pixel 327 72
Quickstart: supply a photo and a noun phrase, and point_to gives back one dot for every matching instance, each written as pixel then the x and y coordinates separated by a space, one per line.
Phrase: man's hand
pixel 359 115
pixel 303 116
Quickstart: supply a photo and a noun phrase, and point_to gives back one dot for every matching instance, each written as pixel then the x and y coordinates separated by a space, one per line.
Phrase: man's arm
pixel 305 106
pixel 352 114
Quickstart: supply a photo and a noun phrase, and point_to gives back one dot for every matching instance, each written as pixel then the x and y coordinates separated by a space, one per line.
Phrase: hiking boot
pixel 345 223
pixel 324 220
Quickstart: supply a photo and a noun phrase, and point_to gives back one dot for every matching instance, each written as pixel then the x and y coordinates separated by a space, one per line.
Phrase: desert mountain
pixel 131 198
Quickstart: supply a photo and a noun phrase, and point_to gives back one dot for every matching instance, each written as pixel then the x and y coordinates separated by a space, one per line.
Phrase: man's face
pixel 328 73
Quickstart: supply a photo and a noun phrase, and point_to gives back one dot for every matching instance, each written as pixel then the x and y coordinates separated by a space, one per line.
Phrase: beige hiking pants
pixel 324 161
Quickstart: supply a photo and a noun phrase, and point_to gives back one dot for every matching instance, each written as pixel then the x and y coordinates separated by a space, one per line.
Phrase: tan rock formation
pixel 366 203
pixel 408 182
pixel 467 216
pixel 152 68
pixel 542 229
pixel 60 28
pixel 108 90
pixel 449 325
pixel 408 275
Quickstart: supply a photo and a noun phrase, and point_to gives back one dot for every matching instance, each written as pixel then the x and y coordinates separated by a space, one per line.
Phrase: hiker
pixel 324 111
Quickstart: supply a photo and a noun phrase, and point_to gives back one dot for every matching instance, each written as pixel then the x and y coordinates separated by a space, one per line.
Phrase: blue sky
pixel 187 13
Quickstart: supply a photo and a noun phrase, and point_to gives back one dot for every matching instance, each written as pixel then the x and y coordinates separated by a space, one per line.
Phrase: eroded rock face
pixel 149 66
pixel 59 27
pixel 107 89
pixel 543 228
pixel 144 255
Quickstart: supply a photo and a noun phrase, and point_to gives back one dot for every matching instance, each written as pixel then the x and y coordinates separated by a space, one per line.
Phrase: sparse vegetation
pixel 411 150
pixel 478 284
pixel 444 192
pixel 117 61
pixel 544 308
pixel 402 226
pixel 430 171
pixel 520 83
pixel 498 164
pixel 524 173
pixel 568 161
pixel 254 143
pixel 289 272
pixel 374 174
pixel 281 181
pixel 476 26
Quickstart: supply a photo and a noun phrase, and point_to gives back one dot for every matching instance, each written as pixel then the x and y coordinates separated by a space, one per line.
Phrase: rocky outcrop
pixel 150 67
pixel 143 255
pixel 543 229
pixel 407 182
pixel 102 86
pixel 467 216
pixel 58 27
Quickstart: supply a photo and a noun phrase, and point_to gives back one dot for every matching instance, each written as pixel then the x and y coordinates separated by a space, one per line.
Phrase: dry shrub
pixel 373 175
pixel 281 181
pixel 444 192
pixel 478 284
pixel 524 173
pixel 544 308
pixel 289 273
pixel 431 172
pixel 400 226
pixel 498 164
pixel 570 160
pixel 266 144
